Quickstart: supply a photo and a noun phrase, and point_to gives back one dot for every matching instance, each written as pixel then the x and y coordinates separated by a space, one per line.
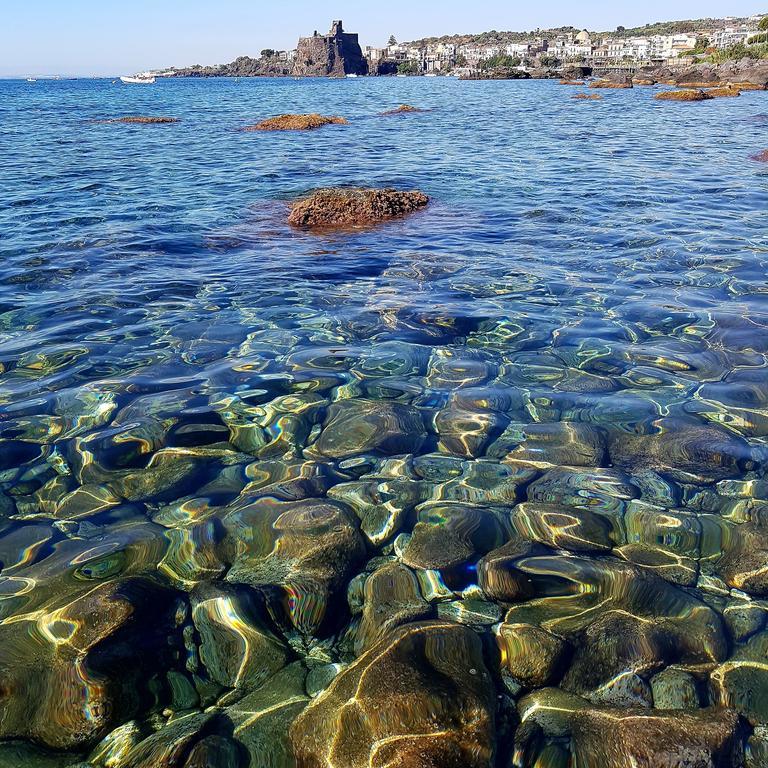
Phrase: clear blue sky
pixel 109 37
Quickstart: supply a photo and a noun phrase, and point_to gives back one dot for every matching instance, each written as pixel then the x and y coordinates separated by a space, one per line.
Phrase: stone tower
pixel 333 55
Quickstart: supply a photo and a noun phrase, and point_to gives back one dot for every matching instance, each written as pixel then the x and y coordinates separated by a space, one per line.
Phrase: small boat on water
pixel 351 76
pixel 138 80
pixel 31 79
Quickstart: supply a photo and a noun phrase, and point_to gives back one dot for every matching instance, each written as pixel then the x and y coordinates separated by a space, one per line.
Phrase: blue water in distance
pixel 606 260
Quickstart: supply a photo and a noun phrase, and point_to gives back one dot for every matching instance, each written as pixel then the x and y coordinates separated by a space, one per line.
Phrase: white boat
pixel 31 80
pixel 138 80
pixel 351 75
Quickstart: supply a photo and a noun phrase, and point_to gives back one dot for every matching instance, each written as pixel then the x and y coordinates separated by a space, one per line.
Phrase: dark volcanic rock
pixel 420 698
pixel 354 207
pixel 333 55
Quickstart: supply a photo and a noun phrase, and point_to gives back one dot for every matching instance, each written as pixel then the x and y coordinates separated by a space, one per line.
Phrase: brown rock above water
pixel 687 95
pixel 761 157
pixel 587 97
pixel 296 123
pixel 724 92
pixel 403 109
pixel 420 698
pixel 611 84
pixel 143 120
pixel 354 207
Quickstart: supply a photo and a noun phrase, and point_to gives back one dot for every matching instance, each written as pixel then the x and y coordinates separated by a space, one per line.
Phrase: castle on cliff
pixel 333 55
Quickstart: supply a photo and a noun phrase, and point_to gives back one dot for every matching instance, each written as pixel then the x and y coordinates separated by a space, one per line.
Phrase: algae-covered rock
pixel 675 689
pixel 75 669
pixel 296 123
pixel 237 649
pixel 612 737
pixel 365 426
pixel 354 207
pixel 403 109
pixel 138 120
pixel 304 550
pixel 391 597
pixel 451 535
pixel 261 720
pixel 422 696
pixel 571 528
pixel 686 95
pixel 531 655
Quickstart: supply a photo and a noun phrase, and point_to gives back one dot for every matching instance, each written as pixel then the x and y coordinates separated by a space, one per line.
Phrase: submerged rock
pixel 447 536
pixel 296 123
pixel 675 689
pixel 305 550
pixel 683 451
pixel 531 655
pixel 72 672
pixel 237 650
pixel 761 157
pixel 354 207
pixel 587 97
pixel 392 597
pixel 572 82
pixel 616 738
pixel 577 530
pixel 420 697
pixel 366 426
pixel 262 718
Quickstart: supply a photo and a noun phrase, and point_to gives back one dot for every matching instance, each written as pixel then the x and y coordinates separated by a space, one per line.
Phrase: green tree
pixel 702 43
pixel 500 61
pixel 763 25
pixel 392 40
pixel 267 53
pixel 408 68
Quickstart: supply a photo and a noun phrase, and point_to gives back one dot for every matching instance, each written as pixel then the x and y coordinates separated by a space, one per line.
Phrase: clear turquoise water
pixel 591 263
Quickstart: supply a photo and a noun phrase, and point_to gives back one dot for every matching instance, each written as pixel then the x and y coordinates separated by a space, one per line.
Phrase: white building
pixel 725 38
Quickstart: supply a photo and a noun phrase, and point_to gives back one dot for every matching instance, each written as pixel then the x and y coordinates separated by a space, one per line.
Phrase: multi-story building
pixel 725 38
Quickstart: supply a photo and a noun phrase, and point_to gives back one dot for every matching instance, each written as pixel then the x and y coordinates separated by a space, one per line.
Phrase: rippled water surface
pixel 482 487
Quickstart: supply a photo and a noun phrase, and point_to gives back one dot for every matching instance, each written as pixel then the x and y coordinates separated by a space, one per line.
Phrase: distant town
pixel 339 53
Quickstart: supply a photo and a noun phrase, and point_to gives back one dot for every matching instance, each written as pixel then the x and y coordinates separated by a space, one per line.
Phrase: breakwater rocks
pixel 746 74
pixel 354 207
pixel 296 123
